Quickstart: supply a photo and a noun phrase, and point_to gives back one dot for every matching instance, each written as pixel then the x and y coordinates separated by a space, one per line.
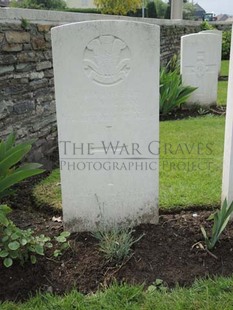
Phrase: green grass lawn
pixel 208 294
pixel 195 178
pixel 224 67
pixel 222 92
pixel 222 85
pixel 190 165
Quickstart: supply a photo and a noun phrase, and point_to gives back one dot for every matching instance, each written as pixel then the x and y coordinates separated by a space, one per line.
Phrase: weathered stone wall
pixel 170 38
pixel 27 103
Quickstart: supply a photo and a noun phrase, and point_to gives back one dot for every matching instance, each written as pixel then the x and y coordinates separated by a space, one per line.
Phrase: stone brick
pixel 36 75
pixel 17 37
pixel 22 67
pixel 48 37
pixel 48 55
pixel 24 107
pixel 12 47
pixel 51 82
pixel 49 73
pixel 6 69
pixel 27 57
pixel 36 84
pixel 45 98
pixel 7 59
pixel 27 47
pixel 22 75
pixel 6 78
pixel 43 28
pixel 43 65
pixel 1 37
pixel 24 81
pixel 39 43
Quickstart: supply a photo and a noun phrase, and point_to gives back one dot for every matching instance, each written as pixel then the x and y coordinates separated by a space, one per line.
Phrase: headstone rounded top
pixel 94 23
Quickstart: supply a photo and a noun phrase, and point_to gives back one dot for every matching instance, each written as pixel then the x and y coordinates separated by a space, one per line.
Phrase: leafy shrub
pixel 174 63
pixel 206 26
pixel 40 4
pixel 226 44
pixel 19 244
pixel 116 244
pixel 62 239
pixel 83 10
pixel 151 10
pixel 23 245
pixel 167 14
pixel 221 219
pixel 11 172
pixel 120 7
pixel 172 93
pixel 15 243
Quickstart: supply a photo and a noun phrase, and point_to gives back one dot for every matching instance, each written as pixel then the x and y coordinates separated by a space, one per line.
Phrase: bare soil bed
pixel 167 251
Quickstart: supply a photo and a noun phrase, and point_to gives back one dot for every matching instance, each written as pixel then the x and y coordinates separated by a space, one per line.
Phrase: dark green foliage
pixel 25 23
pixel 189 11
pixel 18 244
pixel 168 12
pixel 206 26
pixel 173 64
pixel 137 13
pixel 151 9
pixel 40 4
pixel 221 219
pixel 161 7
pixel 226 45
pixel 83 10
pixel 172 93
pixel 11 172
pixel 24 245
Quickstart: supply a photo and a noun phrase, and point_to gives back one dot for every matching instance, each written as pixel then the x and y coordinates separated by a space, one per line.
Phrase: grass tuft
pixel 116 244
pixel 203 294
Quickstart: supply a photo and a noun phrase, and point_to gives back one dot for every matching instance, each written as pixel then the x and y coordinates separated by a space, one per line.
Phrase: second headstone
pixel 199 67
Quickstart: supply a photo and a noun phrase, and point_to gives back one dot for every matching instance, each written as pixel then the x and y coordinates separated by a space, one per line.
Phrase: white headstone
pixel 177 9
pixel 199 67
pixel 107 98
pixel 219 44
pixel 227 183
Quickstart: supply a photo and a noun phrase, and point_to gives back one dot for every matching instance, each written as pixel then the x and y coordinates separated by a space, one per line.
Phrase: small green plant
pixel 220 218
pixel 174 63
pixel 172 93
pixel 157 285
pixel 206 26
pixel 25 23
pixel 64 244
pixel 11 171
pixel 24 245
pixel 116 244
pixel 18 244
pixel 226 44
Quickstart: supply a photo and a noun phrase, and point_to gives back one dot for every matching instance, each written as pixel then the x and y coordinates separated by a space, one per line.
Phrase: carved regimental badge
pixel 107 60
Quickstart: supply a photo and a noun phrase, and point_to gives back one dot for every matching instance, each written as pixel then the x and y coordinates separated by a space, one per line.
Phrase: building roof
pixel 199 8
pixel 222 17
